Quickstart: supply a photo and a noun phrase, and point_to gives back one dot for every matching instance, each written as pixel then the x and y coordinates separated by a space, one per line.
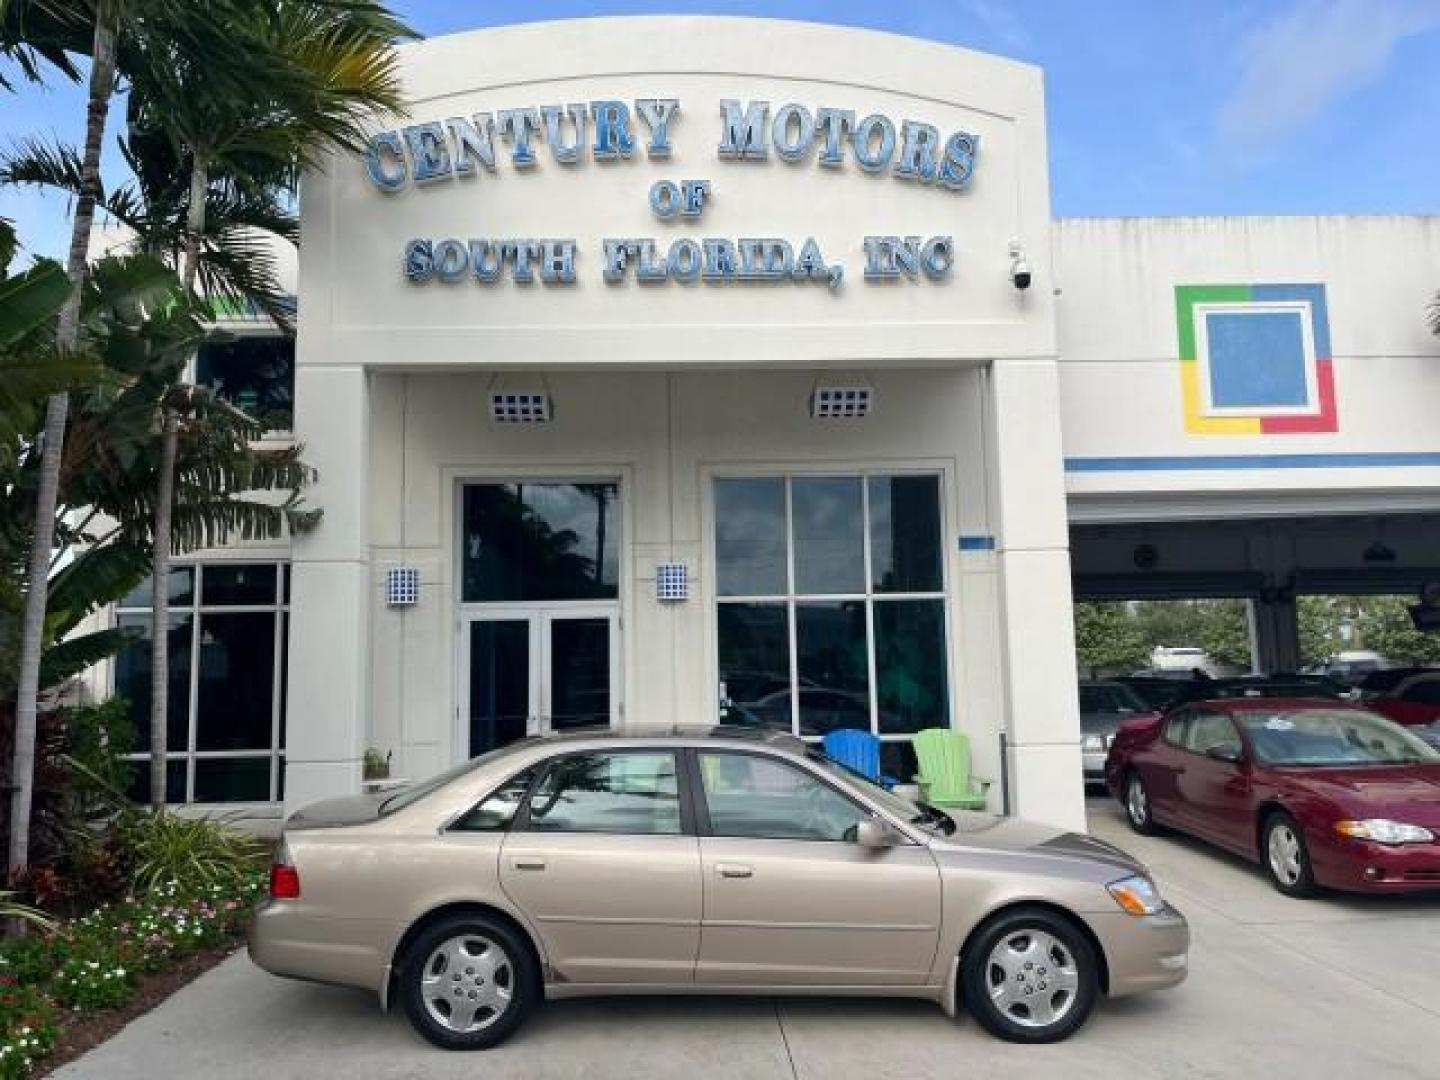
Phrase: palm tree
pixel 52 442
pixel 133 37
pixel 341 68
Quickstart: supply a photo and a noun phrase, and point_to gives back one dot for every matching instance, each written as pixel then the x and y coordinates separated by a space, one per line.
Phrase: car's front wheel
pixel 1030 976
pixel 467 982
pixel 1138 810
pixel 1286 857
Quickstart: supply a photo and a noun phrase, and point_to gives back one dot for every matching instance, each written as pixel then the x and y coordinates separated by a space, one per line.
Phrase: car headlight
pixel 1093 742
pixel 1137 895
pixel 1384 831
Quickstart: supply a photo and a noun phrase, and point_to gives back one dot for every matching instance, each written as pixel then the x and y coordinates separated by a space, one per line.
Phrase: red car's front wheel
pixel 1137 806
pixel 1286 857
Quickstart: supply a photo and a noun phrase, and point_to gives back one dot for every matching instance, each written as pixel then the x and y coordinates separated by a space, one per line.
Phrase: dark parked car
pixel 1320 793
pixel 1260 686
pixel 1381 682
pixel 1157 691
pixel 1104 706
pixel 1414 700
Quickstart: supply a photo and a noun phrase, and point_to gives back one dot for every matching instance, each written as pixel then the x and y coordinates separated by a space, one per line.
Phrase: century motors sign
pixel 465 149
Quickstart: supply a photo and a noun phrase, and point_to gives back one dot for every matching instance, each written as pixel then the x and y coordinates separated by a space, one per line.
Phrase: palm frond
pixel 70 657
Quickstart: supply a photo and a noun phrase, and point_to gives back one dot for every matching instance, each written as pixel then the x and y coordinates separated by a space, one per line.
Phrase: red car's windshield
pixel 1339 737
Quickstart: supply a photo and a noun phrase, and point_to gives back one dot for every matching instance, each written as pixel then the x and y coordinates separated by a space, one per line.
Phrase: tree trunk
pixel 164 507
pixel 52 445
pixel 195 218
pixel 160 605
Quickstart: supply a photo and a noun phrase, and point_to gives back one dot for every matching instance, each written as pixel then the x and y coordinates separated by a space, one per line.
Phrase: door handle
pixel 735 870
pixel 528 862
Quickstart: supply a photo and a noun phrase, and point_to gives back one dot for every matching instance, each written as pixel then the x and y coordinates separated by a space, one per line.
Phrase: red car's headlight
pixel 1384 831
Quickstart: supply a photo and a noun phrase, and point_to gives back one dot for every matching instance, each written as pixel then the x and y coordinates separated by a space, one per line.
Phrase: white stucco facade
pixel 664 387
pixel 1125 385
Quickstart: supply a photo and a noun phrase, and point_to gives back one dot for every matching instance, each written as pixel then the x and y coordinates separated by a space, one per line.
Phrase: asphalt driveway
pixel 1278 988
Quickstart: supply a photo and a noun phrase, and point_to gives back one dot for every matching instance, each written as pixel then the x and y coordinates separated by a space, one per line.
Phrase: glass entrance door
pixel 533 671
pixel 500 681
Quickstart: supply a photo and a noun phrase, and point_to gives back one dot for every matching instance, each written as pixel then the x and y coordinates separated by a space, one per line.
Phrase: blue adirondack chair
pixel 858 751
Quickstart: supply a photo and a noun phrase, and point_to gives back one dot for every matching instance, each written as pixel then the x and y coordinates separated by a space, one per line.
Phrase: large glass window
pixel 225 717
pixel 540 541
pixel 254 373
pixel 831 603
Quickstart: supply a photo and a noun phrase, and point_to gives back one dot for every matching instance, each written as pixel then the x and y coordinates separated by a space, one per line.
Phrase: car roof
pixel 1276 704
pixel 701 733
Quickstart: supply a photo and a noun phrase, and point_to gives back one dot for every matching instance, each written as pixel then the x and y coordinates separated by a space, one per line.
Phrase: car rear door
pixel 790 898
pixel 603 861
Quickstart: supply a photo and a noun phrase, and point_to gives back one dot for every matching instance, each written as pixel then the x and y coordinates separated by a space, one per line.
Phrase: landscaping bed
pixel 65 988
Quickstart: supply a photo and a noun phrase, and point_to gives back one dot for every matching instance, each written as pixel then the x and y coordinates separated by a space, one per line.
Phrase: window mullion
pixel 873 687
pixel 790 619
pixel 194 692
pixel 278 649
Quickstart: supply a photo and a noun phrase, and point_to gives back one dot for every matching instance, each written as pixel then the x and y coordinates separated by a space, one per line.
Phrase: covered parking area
pixel 1265 548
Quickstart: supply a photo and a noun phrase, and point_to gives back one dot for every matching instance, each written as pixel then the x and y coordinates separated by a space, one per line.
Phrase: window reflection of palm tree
pixel 513 550
pixel 601 493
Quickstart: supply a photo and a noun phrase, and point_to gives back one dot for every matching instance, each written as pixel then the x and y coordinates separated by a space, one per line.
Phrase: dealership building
pixel 677 370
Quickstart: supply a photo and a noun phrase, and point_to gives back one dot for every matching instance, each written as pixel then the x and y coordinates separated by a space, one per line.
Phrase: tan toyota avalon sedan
pixel 716 862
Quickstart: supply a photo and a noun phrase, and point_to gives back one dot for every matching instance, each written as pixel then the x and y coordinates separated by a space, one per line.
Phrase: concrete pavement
pixel 1278 988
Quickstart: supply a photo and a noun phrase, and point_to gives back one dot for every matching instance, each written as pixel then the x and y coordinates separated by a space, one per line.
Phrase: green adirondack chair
pixel 944 777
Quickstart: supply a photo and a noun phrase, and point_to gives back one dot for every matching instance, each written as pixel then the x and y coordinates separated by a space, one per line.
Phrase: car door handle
pixel 730 869
pixel 528 862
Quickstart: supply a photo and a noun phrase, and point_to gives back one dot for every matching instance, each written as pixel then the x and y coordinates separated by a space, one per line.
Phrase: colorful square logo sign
pixel 1255 359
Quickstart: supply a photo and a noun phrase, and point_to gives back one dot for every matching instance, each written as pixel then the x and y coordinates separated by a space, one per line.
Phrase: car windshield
pixel 1331 737
pixel 412 793
pixel 916 813
pixel 1109 698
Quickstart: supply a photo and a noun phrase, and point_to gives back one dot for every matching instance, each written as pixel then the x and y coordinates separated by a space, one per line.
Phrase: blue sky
pixel 1170 107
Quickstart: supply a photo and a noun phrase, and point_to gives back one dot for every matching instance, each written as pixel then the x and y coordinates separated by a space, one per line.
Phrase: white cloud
pixel 999 20
pixel 1294 65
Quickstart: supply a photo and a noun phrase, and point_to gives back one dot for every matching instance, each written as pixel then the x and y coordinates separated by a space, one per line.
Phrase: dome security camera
pixel 1020 275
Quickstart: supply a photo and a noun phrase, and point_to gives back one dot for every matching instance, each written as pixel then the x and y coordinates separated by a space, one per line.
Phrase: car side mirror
pixel 874 834
pixel 1229 754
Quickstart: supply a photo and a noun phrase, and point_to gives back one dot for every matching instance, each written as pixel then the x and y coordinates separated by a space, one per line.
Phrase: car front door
pixel 790 897
pixel 1214 790
pixel 603 861
pixel 1164 765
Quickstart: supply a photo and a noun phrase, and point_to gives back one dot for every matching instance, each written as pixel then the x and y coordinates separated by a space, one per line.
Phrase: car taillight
pixel 284 882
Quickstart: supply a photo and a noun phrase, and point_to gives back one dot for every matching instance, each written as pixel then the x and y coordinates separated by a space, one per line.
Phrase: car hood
pixel 345 810
pixel 992 833
pixel 1408 793
pixel 1102 723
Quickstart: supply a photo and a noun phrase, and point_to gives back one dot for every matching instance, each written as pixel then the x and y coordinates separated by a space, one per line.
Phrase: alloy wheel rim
pixel 1284 850
pixel 1139 811
pixel 1032 978
pixel 467 983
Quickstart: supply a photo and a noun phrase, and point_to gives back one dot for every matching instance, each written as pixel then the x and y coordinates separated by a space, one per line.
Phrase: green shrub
pixel 93 984
pixel 29 1028
pixel 30 961
pixel 163 849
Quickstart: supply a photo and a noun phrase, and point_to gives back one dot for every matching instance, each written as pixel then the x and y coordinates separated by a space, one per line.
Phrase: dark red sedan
pixel 1320 793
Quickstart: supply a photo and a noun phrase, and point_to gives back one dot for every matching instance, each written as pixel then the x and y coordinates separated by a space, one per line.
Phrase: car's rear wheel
pixel 467 982
pixel 1286 857
pixel 1138 810
pixel 1030 976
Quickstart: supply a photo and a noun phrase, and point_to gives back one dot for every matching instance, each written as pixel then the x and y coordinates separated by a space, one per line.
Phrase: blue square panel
pixel 1257 359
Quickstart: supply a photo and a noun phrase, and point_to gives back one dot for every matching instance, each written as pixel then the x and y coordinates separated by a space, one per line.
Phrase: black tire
pixel 513 970
pixel 1139 811
pixel 981 973
pixel 1286 857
